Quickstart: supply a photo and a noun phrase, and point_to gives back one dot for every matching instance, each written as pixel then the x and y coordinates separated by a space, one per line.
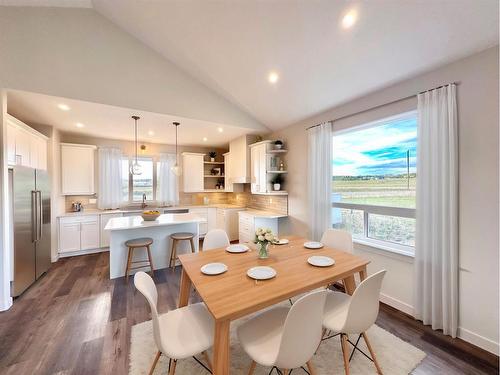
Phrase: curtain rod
pixel 384 104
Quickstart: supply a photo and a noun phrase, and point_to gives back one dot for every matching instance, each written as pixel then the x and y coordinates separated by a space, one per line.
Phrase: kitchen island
pixel 126 228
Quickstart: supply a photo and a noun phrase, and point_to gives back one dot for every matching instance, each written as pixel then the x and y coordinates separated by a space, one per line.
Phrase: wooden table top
pixel 233 294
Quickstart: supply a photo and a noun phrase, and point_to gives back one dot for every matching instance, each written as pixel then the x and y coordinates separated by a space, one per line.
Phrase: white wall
pixel 78 54
pixel 478 105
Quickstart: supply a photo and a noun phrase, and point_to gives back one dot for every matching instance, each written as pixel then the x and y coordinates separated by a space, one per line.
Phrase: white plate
pixel 213 268
pixel 261 273
pixel 238 248
pixel 321 261
pixel 282 241
pixel 313 245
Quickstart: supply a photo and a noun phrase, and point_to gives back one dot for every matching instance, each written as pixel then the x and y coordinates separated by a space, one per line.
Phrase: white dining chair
pixel 284 337
pixel 214 239
pixel 354 314
pixel 180 333
pixel 338 239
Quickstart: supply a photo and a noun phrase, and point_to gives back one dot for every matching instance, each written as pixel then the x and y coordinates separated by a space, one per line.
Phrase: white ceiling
pixel 231 46
pixel 115 123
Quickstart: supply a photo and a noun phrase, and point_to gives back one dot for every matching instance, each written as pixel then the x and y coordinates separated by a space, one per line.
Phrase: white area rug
pixel 394 355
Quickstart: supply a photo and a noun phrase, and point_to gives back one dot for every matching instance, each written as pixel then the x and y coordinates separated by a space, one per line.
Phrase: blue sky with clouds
pixel 377 150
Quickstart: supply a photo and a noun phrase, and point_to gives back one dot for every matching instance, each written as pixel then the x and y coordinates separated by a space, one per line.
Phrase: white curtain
pixel 167 192
pixel 110 178
pixel 436 251
pixel 320 178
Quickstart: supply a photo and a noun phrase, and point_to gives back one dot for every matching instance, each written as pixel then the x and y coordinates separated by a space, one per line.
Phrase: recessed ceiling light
pixel 205 139
pixel 220 130
pixel 63 107
pixel 80 125
pixel 273 77
pixel 151 133
pixel 349 19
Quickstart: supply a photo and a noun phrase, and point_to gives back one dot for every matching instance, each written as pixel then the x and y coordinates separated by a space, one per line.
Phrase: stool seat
pixel 139 242
pixel 182 236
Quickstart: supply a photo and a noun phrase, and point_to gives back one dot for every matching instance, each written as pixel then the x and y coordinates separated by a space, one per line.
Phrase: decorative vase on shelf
pixel 212 159
pixel 277 187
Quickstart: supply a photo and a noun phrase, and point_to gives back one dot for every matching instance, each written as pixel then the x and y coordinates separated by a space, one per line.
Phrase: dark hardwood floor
pixel 77 321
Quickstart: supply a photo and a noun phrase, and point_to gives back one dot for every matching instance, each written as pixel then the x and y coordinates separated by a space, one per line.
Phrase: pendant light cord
pixel 135 141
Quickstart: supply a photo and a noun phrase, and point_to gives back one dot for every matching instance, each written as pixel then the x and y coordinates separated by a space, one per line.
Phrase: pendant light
pixel 176 169
pixel 136 168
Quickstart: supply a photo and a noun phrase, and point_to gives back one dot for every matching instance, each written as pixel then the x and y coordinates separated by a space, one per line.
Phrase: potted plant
pixel 263 237
pixel 277 181
pixel 212 155
pixel 278 145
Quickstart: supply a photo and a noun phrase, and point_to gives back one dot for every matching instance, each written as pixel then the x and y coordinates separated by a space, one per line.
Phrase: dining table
pixel 233 295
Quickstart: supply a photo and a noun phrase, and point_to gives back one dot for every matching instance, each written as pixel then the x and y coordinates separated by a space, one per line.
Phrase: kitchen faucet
pixel 143 204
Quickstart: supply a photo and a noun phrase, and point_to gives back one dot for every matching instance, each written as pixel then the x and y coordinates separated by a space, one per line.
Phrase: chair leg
pixel 172 367
pixel 312 369
pixel 192 245
pixel 252 368
pixel 150 260
pixel 158 354
pixel 207 359
pixel 173 253
pixel 372 353
pixel 345 352
pixel 129 258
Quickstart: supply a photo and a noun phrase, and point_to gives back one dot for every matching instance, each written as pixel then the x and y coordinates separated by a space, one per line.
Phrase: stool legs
pixel 150 261
pixel 130 262
pixel 192 245
pixel 173 253
pixel 129 258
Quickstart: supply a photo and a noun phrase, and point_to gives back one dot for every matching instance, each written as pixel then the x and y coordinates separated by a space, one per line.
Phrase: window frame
pixel 130 159
pixel 367 209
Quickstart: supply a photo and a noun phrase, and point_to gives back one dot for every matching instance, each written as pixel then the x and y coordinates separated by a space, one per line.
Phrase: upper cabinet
pixel 25 146
pixel 77 169
pixel 192 172
pixel 240 159
pixel 265 165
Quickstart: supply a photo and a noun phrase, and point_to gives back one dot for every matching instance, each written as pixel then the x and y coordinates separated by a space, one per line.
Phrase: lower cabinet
pixel 227 220
pixel 78 233
pixel 248 224
pixel 104 234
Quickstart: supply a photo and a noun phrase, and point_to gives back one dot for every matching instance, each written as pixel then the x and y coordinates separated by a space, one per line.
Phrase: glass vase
pixel 263 250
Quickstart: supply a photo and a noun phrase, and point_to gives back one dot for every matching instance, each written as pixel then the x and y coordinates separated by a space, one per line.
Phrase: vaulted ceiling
pixel 233 46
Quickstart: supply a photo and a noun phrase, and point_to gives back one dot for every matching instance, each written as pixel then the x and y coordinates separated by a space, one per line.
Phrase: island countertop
pixel 134 222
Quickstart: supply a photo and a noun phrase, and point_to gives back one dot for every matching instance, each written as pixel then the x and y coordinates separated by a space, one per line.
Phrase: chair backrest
pixel 302 330
pixel 145 284
pixel 214 239
pixel 337 239
pixel 364 304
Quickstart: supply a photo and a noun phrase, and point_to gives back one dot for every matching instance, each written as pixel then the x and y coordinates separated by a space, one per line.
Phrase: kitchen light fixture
pixel 220 130
pixel 151 133
pixel 63 107
pixel 349 19
pixel 80 125
pixel 205 139
pixel 136 168
pixel 273 77
pixel 176 169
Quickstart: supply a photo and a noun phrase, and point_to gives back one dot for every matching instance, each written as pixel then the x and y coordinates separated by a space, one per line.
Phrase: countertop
pixel 134 222
pixel 263 213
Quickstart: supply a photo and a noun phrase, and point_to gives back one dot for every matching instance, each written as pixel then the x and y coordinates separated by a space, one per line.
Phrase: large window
pixel 134 186
pixel 373 182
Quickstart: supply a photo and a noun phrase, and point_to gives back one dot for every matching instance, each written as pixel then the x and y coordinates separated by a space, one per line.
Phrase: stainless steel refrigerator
pixel 30 198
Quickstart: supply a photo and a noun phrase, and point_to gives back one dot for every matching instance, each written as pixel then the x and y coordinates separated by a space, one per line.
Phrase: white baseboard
pixel 397 304
pixel 478 340
pixel 83 252
pixel 5 304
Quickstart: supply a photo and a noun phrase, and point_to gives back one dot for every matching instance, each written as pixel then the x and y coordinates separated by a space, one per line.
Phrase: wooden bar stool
pixel 138 243
pixel 176 237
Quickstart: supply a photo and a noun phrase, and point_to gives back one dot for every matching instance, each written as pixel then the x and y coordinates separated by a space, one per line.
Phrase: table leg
pixel 350 284
pixel 221 348
pixel 362 274
pixel 185 289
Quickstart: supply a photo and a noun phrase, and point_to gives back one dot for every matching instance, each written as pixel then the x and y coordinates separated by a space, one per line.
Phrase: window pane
pixel 399 230
pixel 377 165
pixel 348 219
pixel 125 179
pixel 143 183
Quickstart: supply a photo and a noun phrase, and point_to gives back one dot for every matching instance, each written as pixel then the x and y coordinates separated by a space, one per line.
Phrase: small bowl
pixel 150 217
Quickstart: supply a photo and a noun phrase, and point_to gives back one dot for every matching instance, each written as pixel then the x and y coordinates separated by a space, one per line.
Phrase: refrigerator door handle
pixel 40 215
pixel 34 217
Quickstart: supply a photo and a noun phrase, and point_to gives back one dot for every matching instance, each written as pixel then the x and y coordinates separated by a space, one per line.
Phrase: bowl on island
pixel 150 215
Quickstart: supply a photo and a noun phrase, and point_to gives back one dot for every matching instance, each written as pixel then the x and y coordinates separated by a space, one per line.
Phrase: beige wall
pixel 478 187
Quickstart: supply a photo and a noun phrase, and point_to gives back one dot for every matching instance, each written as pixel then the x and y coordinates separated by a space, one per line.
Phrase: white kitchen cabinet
pixel 77 169
pixel 104 234
pixel 227 220
pixel 25 146
pixel 258 165
pixel 209 214
pixel 249 222
pixel 192 172
pixel 240 158
pixel 77 233
pixel 212 218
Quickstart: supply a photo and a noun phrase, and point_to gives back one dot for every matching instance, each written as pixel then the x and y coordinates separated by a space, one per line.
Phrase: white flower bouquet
pixel 263 237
